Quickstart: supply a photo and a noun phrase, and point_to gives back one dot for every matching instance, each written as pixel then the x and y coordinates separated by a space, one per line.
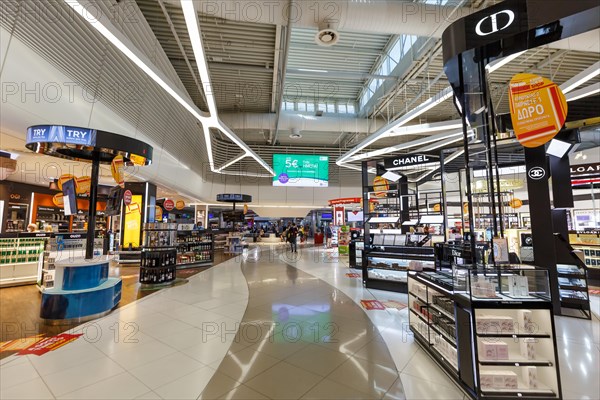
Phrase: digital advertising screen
pixel 301 170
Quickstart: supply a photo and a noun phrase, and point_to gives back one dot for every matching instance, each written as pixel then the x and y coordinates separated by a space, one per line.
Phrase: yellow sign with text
pixel 538 109
pixel 133 222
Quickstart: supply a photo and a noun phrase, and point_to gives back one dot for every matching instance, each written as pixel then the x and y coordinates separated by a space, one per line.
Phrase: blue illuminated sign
pixel 61 134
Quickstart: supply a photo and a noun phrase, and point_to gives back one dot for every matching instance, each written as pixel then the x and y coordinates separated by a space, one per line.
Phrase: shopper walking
pixel 292 236
pixel 328 235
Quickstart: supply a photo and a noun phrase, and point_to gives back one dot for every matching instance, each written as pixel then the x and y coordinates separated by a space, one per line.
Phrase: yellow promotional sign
pixel 133 222
pixel 380 184
pixel 180 204
pixel 158 213
pixel 245 209
pixel 515 203
pixel 538 109
pixel 466 208
pixel 63 178
pixel 117 170
pixel 437 207
pixel 83 184
pixel 137 160
pixel 58 200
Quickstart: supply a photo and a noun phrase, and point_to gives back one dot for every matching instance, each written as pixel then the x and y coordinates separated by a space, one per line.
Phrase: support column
pixel 91 227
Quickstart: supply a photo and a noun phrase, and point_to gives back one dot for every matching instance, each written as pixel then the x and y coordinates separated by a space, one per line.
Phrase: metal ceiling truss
pixel 208 120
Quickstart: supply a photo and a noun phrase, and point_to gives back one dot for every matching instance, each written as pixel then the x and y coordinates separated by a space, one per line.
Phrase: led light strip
pixel 581 78
pixel 208 121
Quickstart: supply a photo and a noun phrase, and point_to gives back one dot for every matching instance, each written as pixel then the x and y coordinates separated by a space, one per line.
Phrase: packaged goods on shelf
pixel 499 380
pixel 483 288
pixel 518 286
pixel 497 324
pixel 526 320
pixel 528 348
pixel 530 379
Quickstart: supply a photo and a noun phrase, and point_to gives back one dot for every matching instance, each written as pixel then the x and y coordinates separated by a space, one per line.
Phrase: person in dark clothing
pixel 292 236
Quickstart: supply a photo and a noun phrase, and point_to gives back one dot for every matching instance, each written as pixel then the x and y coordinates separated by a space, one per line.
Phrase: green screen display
pixel 300 170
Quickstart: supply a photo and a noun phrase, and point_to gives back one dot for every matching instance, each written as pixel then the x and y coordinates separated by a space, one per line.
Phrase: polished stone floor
pixel 268 324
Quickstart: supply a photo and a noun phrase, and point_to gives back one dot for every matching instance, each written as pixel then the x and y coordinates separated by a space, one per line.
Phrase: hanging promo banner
pixel 117 170
pixel 380 186
pixel 538 109
pixel 83 184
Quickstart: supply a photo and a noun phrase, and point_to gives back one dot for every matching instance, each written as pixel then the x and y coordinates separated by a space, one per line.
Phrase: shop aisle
pixel 268 324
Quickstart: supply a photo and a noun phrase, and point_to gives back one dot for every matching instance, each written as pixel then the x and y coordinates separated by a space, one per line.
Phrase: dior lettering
pixel 491 24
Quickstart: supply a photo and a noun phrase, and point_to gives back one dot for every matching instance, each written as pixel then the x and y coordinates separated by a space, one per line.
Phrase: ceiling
pixel 256 69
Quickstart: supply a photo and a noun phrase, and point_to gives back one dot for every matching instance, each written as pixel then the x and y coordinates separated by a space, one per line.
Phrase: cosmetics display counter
pixel 491 330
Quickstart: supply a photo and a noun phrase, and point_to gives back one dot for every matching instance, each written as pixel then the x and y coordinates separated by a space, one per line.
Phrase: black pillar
pixel 91 227
pixel 544 254
pixel 562 190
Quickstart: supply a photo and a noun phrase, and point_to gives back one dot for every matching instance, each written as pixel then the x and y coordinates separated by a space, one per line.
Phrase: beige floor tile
pixel 317 359
pixel 376 352
pixel 243 393
pixel 278 347
pixel 330 390
pixel 245 364
pixel 218 386
pixel 284 381
pixel 365 377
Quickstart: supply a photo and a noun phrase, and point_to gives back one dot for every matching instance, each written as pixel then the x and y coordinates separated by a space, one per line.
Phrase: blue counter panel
pixel 63 304
pixel 86 277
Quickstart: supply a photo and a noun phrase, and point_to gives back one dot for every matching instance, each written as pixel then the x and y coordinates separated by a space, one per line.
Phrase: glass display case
pixel 491 329
pixel 390 255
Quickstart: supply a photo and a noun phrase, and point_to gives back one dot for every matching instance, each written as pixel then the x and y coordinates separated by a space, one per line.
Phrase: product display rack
pixel 219 240
pixel 194 248
pixel 60 247
pixel 491 330
pixel 20 257
pixel 159 253
pixel 588 242
pixel 357 247
pixel 234 244
pixel 389 257
pixel 572 278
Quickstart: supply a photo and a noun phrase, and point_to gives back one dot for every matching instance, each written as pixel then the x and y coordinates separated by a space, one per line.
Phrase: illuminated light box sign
pixel 300 170
pixel 61 134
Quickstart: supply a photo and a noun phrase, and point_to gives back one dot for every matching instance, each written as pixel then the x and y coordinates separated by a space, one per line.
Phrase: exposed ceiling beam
pixel 338 74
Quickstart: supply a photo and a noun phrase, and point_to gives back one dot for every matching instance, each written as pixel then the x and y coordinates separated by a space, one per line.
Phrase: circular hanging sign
pixel 516 203
pixel 127 196
pixel 180 204
pixel 58 200
pixel 169 205
pixel 437 207
pixel 63 178
pixel 83 184
pixel 538 109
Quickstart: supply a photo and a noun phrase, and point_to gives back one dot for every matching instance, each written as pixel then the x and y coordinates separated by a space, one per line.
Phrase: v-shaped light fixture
pixel 208 120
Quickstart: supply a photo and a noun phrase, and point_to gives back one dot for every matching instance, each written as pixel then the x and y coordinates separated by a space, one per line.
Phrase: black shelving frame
pixel 200 236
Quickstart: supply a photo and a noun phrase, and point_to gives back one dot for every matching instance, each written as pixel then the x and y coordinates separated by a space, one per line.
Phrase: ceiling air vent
pixel 327 35
pixel 295 134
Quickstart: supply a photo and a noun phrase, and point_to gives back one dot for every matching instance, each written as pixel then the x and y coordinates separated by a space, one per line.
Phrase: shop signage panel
pixel 127 196
pixel 234 197
pixel 61 134
pixel 408 161
pixel 585 169
pixel 538 109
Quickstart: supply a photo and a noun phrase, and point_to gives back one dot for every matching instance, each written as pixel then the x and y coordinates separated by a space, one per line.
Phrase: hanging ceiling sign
pixel 538 109
pixel 61 134
pixel 234 198
pixel 412 160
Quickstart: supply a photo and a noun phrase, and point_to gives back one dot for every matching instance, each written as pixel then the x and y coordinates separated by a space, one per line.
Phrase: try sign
pixel 169 205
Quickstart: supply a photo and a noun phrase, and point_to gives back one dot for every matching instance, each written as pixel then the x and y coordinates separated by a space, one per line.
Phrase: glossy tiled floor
pixel 266 325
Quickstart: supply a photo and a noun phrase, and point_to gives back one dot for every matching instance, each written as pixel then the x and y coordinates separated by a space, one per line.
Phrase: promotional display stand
pixel 491 330
pixel 82 288
pixel 159 253
pixel 194 248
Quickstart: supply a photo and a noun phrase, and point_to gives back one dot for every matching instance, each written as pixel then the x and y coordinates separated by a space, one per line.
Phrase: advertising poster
pixel 538 109
pixel 300 170
pixel 133 222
